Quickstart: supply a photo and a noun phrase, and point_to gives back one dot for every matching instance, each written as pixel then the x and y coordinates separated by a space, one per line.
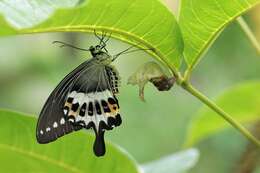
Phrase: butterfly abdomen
pixel 114 78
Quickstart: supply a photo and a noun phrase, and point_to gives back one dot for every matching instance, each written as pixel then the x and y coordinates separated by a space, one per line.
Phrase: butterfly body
pixel 84 99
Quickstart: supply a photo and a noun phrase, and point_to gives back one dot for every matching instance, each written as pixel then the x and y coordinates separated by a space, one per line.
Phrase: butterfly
pixel 84 99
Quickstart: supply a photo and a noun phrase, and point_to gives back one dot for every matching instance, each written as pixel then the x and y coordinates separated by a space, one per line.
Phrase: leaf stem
pixel 244 26
pixel 188 87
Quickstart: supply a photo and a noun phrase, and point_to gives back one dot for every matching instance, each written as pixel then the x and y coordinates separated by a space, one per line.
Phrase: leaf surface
pixel 202 20
pixel 19 151
pixel 146 24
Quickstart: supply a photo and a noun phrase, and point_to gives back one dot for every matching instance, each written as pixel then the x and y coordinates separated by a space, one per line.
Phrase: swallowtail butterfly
pixel 84 99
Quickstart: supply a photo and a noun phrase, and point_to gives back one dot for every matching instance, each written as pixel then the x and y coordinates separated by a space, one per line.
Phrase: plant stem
pixel 188 87
pixel 249 33
pixel 250 157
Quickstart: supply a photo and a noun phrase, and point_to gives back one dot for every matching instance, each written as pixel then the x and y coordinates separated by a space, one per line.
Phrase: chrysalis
pixel 151 72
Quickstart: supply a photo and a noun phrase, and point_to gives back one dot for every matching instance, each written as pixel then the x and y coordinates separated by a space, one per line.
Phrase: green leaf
pixel 146 23
pixel 241 101
pixel 19 151
pixel 175 163
pixel 6 29
pixel 202 20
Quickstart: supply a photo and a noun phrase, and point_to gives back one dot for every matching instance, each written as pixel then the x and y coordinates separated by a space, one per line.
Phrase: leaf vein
pixel 125 12
pixel 210 28
pixel 142 21
pixel 222 9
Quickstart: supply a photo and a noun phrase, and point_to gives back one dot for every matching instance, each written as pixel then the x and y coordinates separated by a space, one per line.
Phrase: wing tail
pixel 99 144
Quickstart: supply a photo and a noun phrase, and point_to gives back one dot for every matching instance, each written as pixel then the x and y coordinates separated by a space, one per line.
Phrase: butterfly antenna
pixel 96 34
pixel 100 38
pixel 63 44
pixel 131 51
pixel 126 51
pixel 102 42
pixel 108 37
pixel 105 41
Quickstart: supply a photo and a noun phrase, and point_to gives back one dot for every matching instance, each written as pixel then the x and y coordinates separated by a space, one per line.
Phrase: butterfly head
pixel 95 50
pixel 100 54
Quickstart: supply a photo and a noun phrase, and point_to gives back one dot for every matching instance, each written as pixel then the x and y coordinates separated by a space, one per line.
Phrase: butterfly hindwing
pixel 92 103
pixel 99 111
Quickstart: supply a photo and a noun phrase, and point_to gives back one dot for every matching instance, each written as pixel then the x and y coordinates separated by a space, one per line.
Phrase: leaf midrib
pixel 90 28
pixel 41 157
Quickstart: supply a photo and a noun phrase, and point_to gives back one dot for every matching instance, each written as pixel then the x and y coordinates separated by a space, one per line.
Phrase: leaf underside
pixel 146 23
pixel 202 20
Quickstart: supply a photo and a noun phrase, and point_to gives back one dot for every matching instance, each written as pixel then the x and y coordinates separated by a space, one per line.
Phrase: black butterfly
pixel 85 98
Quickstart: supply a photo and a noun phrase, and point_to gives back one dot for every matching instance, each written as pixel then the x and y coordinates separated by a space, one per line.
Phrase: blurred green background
pixel 30 68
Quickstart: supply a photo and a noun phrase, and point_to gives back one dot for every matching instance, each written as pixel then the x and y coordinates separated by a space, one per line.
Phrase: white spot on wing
pixel 65 111
pixel 78 98
pixel 48 129
pixel 72 94
pixel 41 132
pixel 62 121
pixel 55 125
pixel 71 120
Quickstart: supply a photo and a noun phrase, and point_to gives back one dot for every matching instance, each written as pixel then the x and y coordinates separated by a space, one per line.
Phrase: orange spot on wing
pixel 69 105
pixel 114 109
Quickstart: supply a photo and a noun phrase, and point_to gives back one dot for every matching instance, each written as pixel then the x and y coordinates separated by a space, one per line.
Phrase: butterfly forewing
pixel 51 123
